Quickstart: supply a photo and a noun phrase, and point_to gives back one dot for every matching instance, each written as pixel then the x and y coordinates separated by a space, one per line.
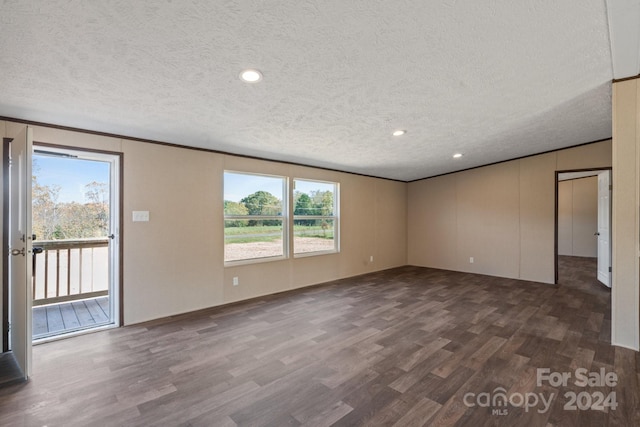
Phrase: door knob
pixel 16 252
pixel 596 234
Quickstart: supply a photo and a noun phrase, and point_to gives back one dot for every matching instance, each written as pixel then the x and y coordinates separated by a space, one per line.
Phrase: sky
pixel 70 174
pixel 237 186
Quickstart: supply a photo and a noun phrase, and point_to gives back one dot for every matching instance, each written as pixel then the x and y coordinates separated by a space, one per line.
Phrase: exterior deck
pixel 70 286
pixel 56 319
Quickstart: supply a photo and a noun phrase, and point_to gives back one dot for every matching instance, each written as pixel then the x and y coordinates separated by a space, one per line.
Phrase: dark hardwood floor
pixel 408 346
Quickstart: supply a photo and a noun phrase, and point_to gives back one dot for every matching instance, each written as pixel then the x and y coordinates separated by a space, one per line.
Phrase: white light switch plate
pixel 140 216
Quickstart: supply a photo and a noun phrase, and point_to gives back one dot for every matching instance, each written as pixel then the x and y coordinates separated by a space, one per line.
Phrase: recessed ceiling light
pixel 399 132
pixel 251 75
pixel 457 155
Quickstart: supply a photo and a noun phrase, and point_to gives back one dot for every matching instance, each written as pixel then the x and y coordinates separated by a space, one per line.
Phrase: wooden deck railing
pixel 68 270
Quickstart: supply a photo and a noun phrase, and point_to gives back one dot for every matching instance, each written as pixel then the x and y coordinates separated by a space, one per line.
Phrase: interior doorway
pixel 583 222
pixel 76 228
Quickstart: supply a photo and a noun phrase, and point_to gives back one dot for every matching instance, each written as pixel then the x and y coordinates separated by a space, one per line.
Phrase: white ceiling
pixel 494 79
pixel 624 33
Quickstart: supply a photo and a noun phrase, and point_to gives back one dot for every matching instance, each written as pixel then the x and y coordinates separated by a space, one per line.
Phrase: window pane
pixel 317 201
pixel 251 239
pixel 314 198
pixel 258 198
pixel 313 235
pixel 247 194
pixel 70 206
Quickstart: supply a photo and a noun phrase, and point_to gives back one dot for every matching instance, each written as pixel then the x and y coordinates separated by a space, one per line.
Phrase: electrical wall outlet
pixel 470 260
pixel 236 282
pixel 371 258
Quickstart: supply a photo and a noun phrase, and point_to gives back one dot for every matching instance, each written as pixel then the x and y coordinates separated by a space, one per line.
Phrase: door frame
pixel 5 243
pixel 120 160
pixel 5 225
pixel 555 249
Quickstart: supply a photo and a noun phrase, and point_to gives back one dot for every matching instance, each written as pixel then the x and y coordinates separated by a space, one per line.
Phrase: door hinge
pixel 8 327
pixel 610 187
pixel 609 269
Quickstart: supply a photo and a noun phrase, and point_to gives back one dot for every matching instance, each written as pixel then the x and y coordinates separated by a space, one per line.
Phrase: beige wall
pixel 625 304
pixel 501 215
pixel 578 217
pixel 174 263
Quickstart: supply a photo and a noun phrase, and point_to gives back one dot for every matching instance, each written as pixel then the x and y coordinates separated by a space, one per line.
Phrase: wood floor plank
pixel 99 316
pixel 406 346
pixel 104 304
pixel 54 318
pixel 69 316
pixel 419 414
pixel 420 371
pixel 40 326
pixel 480 356
pixel 423 353
pixel 329 416
pixel 84 316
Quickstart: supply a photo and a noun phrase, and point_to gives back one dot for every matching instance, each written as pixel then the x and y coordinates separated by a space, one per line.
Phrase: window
pixel 315 216
pixel 254 224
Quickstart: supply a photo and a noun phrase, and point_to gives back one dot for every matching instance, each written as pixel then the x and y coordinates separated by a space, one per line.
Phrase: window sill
pixel 254 261
pixel 316 253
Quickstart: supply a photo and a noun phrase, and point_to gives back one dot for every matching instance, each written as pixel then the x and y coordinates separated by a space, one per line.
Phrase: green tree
pixel 323 206
pixel 262 203
pixel 322 202
pixel 235 208
pixel 303 206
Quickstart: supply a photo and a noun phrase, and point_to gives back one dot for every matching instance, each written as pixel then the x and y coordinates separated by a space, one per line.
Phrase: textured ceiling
pixel 494 79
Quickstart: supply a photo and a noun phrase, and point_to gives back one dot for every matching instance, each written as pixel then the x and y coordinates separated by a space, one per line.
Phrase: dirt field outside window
pixel 252 250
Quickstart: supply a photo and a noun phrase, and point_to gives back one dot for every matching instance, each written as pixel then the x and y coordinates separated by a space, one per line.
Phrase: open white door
pixel 604 231
pixel 90 282
pixel 20 247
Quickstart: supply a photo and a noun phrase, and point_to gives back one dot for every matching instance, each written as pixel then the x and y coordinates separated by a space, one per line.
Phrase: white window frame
pixel 335 217
pixel 284 217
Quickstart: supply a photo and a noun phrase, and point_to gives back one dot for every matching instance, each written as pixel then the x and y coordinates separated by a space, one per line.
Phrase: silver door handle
pixel 16 252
